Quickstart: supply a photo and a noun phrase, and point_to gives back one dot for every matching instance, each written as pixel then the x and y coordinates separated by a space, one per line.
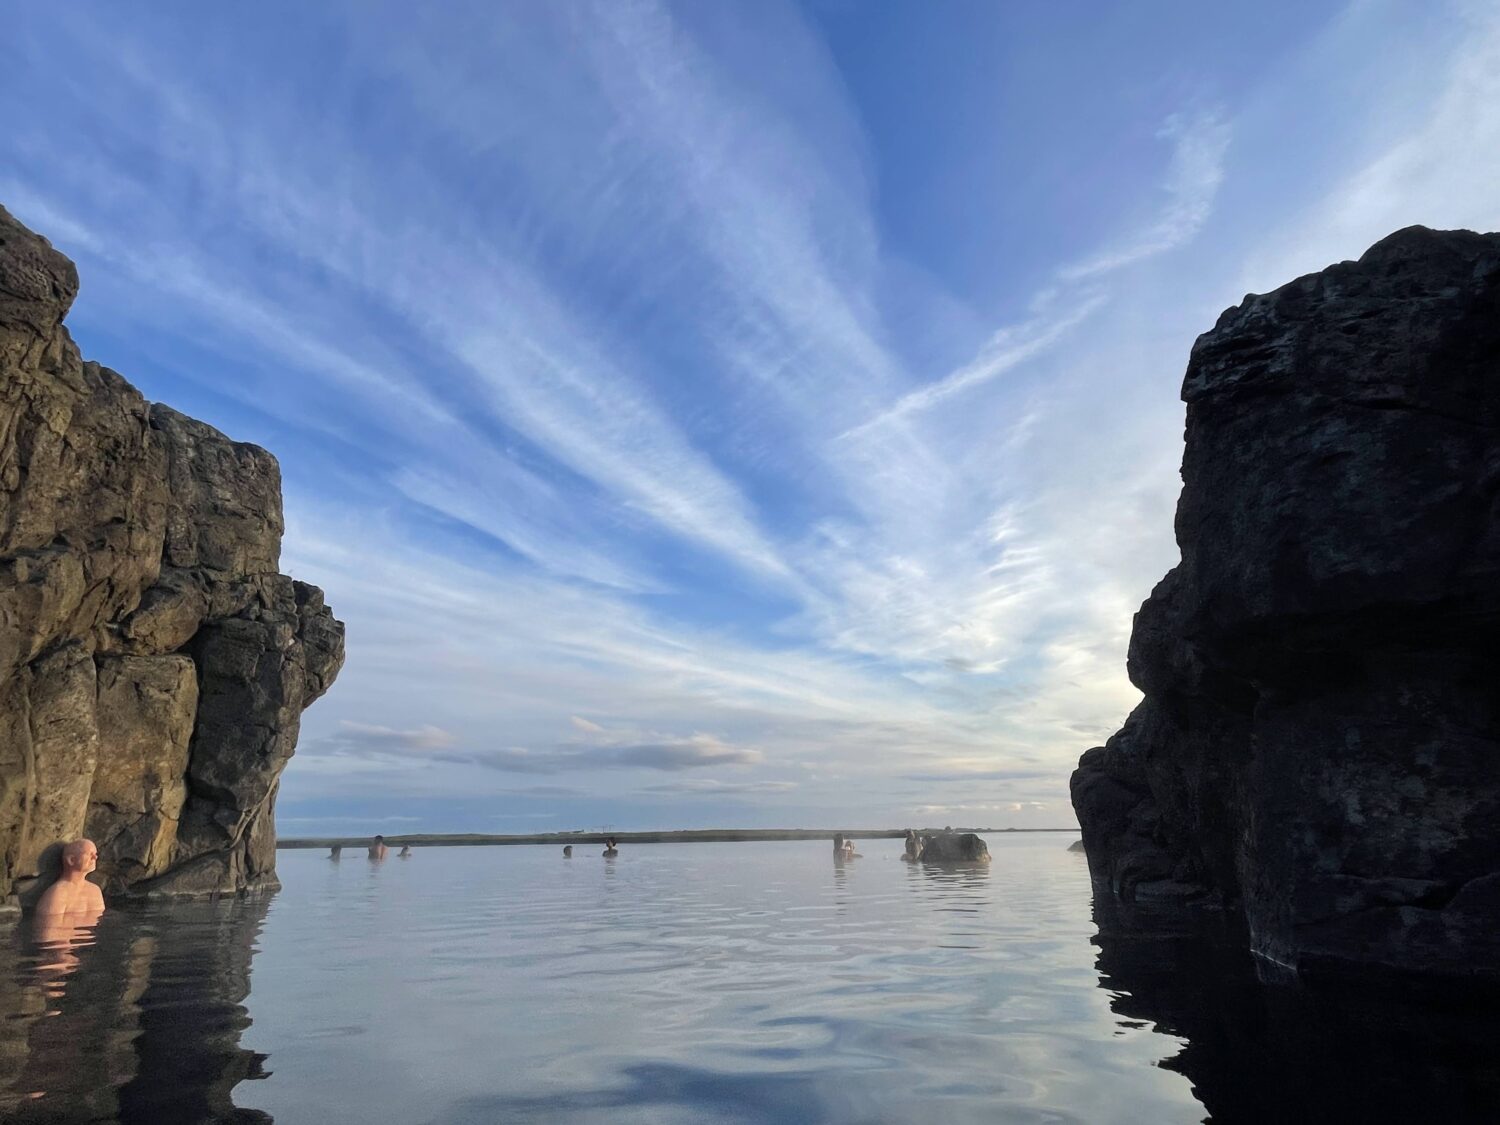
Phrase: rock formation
pixel 154 664
pixel 1318 749
pixel 953 847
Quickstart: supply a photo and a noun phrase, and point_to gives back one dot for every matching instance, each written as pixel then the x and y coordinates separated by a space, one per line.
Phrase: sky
pixel 719 414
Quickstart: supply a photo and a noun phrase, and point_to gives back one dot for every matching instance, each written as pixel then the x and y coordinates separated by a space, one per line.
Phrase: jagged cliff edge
pixel 154 663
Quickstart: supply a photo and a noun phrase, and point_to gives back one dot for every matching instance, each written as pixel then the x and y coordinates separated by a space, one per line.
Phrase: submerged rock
pixel 1317 748
pixel 154 664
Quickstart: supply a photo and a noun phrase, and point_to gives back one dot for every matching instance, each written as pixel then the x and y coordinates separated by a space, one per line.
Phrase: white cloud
pixel 1439 172
pixel 976 807
pixel 699 787
pixel 293 821
pixel 1199 142
pixel 697 751
pixel 369 735
pixel 617 321
pixel 1006 350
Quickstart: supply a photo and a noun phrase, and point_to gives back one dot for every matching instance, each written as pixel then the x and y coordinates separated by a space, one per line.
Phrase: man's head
pixel 380 839
pixel 80 855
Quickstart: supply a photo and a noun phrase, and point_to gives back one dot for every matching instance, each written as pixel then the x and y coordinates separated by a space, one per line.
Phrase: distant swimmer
pixel 336 851
pixel 913 847
pixel 567 851
pixel 73 893
pixel 378 849
pixel 609 847
pixel 843 849
pixel 405 852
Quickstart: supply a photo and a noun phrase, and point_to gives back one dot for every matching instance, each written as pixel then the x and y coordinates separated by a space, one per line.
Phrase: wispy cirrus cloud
pixel 958 774
pixel 1199 142
pixel 1007 349
pixel 698 751
pixel 1194 173
pixel 585 334
pixel 367 734
pixel 714 788
pixel 361 820
pixel 1435 170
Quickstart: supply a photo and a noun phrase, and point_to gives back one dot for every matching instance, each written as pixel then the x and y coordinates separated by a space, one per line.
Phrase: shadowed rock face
pixel 154 664
pixel 954 847
pixel 1319 743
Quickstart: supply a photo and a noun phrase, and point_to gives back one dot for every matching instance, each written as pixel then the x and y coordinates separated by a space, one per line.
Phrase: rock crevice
pixel 154 662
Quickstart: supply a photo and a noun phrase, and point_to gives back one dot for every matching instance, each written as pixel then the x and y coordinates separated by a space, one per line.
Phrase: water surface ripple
pixel 753 982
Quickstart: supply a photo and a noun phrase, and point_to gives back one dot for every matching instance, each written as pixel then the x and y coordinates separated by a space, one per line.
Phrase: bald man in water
pixel 73 893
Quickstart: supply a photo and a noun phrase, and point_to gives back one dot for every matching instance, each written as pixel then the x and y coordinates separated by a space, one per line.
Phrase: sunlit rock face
pixel 1319 743
pixel 154 664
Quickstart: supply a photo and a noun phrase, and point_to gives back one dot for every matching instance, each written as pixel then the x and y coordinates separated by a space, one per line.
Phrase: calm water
pixel 696 983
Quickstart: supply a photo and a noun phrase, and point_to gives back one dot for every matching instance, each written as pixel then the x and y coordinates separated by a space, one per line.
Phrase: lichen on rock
pixel 154 663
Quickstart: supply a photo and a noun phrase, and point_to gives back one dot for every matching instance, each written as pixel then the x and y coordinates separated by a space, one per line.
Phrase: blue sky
pixel 719 414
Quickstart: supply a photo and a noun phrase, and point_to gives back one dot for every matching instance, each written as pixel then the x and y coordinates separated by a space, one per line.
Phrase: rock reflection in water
pixel 136 1019
pixel 959 872
pixel 1262 1050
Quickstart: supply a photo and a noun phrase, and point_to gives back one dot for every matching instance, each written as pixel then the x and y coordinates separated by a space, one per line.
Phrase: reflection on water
pixel 1278 1051
pixel 134 1018
pixel 685 983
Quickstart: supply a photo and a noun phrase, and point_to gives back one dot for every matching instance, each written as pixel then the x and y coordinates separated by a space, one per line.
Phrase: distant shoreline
pixel 684 836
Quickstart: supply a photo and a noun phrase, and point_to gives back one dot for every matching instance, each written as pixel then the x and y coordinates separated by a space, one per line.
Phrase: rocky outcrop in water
pixel 154 664
pixel 953 847
pixel 1319 744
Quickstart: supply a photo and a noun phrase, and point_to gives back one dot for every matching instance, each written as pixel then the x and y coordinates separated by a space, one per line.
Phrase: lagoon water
pixel 750 982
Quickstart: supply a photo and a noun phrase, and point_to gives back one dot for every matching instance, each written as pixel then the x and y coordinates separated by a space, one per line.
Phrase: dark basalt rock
pixel 1318 749
pixel 154 664
pixel 954 847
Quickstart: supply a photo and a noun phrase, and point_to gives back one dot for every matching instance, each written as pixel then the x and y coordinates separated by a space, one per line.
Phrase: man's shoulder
pixel 59 898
